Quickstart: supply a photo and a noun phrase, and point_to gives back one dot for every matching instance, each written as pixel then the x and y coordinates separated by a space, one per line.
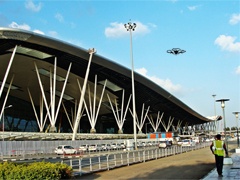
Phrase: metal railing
pixel 89 162
pixel 107 161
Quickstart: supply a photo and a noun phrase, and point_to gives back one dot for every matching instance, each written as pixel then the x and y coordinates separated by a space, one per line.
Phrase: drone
pixel 176 51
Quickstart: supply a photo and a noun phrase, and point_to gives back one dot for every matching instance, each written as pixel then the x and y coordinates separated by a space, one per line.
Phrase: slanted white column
pixel 170 121
pixel 92 112
pixel 7 71
pixel 71 121
pixel 53 114
pixel 142 118
pixel 158 121
pixel 91 52
pixel 185 128
pixel 6 97
pixel 178 127
pixel 40 121
pixel 120 119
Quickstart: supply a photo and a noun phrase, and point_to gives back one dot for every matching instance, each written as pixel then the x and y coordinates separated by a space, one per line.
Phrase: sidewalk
pixel 230 172
pixel 199 164
pixel 190 165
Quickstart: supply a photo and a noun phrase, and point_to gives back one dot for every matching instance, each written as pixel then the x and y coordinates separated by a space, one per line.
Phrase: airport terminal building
pixel 47 85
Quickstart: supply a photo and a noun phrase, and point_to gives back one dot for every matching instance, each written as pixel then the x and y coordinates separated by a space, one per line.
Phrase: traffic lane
pixel 191 165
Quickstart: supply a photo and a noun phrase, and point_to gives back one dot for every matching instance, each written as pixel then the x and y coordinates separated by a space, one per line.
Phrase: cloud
pixel 59 17
pixel 24 27
pixel 18 26
pixel 238 70
pixel 193 8
pixel 234 19
pixel 166 84
pixel 53 33
pixel 33 7
pixel 117 30
pixel 38 31
pixel 228 43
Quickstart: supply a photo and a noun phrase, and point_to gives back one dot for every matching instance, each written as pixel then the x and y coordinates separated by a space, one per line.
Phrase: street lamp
pixel 214 95
pixel 131 27
pixel 236 115
pixel 223 106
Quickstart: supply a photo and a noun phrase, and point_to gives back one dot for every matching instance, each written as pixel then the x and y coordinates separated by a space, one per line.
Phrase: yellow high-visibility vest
pixel 218 145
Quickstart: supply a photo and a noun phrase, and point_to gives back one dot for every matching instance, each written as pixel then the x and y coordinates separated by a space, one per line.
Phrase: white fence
pixel 107 161
pixel 22 148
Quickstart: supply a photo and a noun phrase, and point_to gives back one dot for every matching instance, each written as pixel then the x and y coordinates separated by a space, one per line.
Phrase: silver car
pixel 65 149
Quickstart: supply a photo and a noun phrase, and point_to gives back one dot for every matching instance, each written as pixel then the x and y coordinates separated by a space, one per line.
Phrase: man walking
pixel 218 147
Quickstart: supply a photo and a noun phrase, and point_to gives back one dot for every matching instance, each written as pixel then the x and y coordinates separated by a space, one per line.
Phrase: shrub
pixel 37 170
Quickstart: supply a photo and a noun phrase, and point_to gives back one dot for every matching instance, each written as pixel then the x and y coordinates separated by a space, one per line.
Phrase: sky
pixel 208 30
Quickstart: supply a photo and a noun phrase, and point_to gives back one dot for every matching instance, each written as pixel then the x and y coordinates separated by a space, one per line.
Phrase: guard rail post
pixel 80 166
pixel 107 161
pixel 121 158
pixel 115 160
pixel 90 164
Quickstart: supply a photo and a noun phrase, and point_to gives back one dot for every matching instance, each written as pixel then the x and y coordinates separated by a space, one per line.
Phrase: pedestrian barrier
pixel 89 164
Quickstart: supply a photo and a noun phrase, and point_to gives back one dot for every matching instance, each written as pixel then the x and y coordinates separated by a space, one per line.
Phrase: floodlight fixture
pixel 176 51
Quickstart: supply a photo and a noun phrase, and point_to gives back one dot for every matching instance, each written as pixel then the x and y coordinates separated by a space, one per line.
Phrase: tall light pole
pixel 131 27
pixel 223 106
pixel 236 115
pixel 214 96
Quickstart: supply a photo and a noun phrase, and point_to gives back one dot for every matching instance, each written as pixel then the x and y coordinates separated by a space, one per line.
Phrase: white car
pixel 114 145
pixel 162 144
pixel 123 145
pixel 188 142
pixel 65 149
pixel 92 147
pixel 83 147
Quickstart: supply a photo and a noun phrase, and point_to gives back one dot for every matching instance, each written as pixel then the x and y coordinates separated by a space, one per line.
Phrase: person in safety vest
pixel 218 147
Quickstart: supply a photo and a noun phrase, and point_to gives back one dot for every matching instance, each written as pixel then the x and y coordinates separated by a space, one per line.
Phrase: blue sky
pixel 208 30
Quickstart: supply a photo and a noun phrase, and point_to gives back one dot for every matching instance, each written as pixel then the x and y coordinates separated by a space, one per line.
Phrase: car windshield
pixel 68 147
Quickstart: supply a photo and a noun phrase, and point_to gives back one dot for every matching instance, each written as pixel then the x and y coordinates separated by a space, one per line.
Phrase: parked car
pixel 114 146
pixel 123 145
pixel 65 149
pixel 83 147
pixel 164 144
pixel 92 147
pixel 99 147
pixel 104 147
pixel 108 147
pixel 188 142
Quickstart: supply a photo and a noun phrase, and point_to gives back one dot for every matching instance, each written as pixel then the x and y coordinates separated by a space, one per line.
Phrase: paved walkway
pixel 198 164
pixel 230 172
pixel 191 165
